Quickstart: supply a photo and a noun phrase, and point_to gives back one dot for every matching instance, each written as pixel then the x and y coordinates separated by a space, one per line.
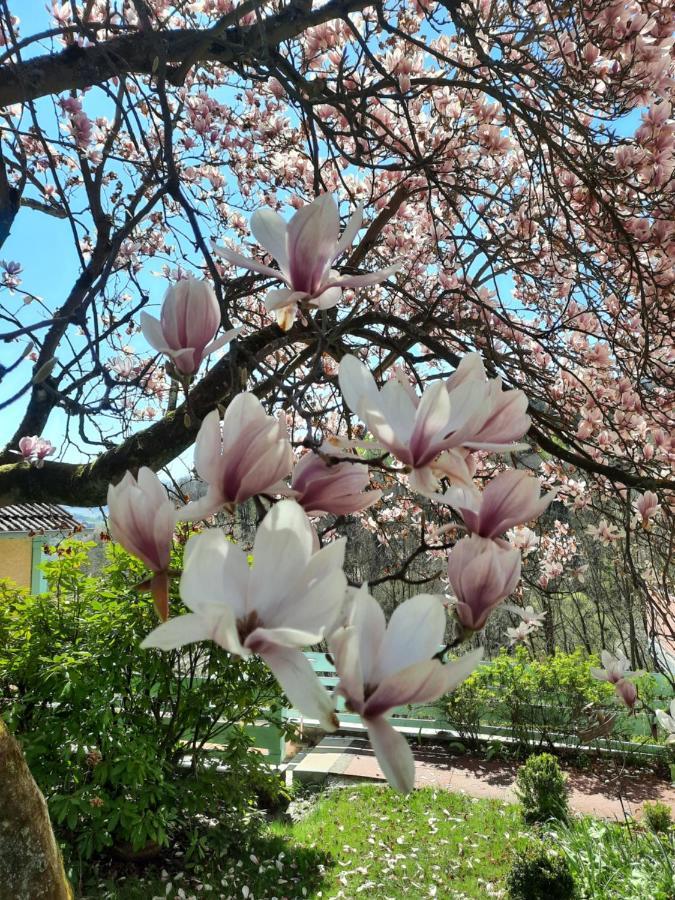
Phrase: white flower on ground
pixel 283 602
pixel 382 666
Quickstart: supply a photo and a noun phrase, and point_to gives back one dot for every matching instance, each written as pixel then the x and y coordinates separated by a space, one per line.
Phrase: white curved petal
pixel 370 624
pixel 393 754
pixel 245 262
pixel 356 383
pixel 358 281
pixel 208 448
pixel 352 228
pixel 177 632
pixel 152 332
pixel 414 634
pixel 327 299
pixel 294 673
pixel 344 647
pixel 222 340
pixel 215 574
pixel 269 230
pixel 279 299
pixel 281 550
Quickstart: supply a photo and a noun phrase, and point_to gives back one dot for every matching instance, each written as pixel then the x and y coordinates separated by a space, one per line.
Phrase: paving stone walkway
pixel 609 793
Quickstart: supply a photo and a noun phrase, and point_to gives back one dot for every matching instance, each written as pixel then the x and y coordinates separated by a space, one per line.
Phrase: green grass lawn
pixel 365 841
pixel 370 842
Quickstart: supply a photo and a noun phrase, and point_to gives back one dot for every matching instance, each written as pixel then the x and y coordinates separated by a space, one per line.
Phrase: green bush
pixel 539 702
pixel 540 873
pixel 541 789
pixel 122 740
pixel 658 817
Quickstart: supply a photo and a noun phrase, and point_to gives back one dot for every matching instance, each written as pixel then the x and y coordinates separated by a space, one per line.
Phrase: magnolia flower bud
pixel 188 323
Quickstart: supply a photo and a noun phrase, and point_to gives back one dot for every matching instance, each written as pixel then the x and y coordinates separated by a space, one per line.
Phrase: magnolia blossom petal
pixel 269 230
pixel 152 332
pixel 276 300
pixel 344 647
pixel 368 619
pixel 393 754
pixel 351 230
pixel 281 550
pixel 414 634
pixel 177 632
pixel 294 673
pixel 222 340
pixel 245 262
pixel 419 683
pixel 215 573
pixel 327 299
pixel 357 281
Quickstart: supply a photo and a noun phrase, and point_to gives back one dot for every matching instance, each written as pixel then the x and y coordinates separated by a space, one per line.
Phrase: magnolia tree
pixel 427 243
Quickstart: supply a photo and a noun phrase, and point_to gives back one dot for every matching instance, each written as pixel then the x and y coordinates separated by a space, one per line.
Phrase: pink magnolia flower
pixel 323 488
pixel 34 449
pixel 627 692
pixel 667 722
pixel 647 506
pixel 283 602
pixel 419 432
pixel 249 456
pixel 384 666
pixel 503 420
pixel 43 449
pixel 188 323
pixel 27 447
pixel 305 249
pixel 604 532
pixel 482 573
pixel 511 498
pixel 615 670
pixel 142 520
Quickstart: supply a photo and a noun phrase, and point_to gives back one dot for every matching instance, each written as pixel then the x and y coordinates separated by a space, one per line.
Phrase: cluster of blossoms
pixel 294 593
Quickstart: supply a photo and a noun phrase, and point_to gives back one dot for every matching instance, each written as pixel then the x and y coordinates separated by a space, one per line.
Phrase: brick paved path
pixel 607 792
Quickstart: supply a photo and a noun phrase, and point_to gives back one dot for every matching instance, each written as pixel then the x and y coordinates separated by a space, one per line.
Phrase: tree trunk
pixel 31 867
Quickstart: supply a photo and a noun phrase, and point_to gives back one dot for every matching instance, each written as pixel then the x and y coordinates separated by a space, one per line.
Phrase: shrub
pixel 541 701
pixel 658 817
pixel 616 862
pixel 540 873
pixel 541 789
pixel 122 740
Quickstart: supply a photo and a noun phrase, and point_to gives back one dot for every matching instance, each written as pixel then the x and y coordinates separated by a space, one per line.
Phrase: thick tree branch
pixel 87 485
pixel 76 68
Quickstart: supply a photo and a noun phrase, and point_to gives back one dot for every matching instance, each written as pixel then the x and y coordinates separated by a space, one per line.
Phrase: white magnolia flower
pixel 283 602
pixel 383 666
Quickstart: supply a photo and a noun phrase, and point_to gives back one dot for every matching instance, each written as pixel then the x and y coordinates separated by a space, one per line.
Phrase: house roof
pixel 34 518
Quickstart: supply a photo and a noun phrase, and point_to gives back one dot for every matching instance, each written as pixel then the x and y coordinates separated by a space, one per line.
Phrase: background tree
pixel 518 157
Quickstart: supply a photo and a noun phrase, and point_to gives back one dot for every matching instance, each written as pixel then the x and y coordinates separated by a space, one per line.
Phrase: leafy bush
pixel 541 701
pixel 616 862
pixel 658 817
pixel 122 740
pixel 541 789
pixel 540 873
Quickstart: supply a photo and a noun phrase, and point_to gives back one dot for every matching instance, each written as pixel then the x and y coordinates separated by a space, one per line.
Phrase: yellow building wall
pixel 16 559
